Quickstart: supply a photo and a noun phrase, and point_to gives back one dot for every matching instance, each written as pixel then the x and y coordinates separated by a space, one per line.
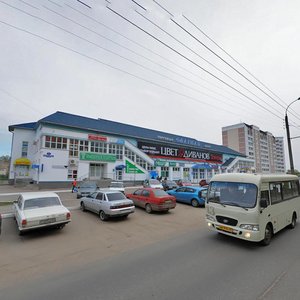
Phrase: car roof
pixel 31 195
pixel 108 191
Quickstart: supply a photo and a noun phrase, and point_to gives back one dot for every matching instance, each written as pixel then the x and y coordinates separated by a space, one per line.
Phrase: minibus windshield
pixel 233 193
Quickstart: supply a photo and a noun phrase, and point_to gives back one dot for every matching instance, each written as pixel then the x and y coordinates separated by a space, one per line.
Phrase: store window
pixel 72 174
pixel 129 154
pixel 116 149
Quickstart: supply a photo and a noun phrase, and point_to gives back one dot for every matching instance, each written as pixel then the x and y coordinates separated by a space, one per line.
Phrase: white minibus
pixel 252 206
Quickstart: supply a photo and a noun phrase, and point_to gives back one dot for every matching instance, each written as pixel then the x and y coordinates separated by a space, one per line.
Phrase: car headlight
pixel 250 227
pixel 209 217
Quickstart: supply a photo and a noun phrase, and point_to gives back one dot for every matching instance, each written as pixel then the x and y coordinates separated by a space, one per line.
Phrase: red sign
pixel 97 138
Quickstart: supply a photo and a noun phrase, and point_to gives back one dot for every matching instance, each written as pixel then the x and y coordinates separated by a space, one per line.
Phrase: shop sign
pixel 179 153
pixel 97 157
pixel 94 137
pixel 159 163
pixel 35 166
pixel 172 164
pixel 132 169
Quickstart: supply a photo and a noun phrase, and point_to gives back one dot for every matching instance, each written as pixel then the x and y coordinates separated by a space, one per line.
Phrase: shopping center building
pixel 63 146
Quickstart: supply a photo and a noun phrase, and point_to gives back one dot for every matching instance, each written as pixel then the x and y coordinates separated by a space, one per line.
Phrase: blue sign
pixel 35 166
pixel 48 155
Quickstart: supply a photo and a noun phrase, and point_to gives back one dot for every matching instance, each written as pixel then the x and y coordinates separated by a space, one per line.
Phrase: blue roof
pixel 31 126
pixel 115 128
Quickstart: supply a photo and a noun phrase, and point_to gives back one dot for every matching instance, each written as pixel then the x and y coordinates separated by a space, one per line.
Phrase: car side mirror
pixel 263 203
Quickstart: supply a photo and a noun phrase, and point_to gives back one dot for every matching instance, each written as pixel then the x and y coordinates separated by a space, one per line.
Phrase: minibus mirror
pixel 263 203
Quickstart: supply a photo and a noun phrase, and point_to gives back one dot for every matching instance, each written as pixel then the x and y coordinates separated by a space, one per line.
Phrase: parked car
pixel 117 186
pixel 152 199
pixel 107 204
pixel 152 183
pixel 190 194
pixel 182 182
pixel 40 209
pixel 169 185
pixel 86 188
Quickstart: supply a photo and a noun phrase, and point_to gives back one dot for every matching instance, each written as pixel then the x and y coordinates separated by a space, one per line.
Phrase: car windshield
pixel 233 193
pixel 115 196
pixel 41 202
pixel 154 181
pixel 117 184
pixel 160 193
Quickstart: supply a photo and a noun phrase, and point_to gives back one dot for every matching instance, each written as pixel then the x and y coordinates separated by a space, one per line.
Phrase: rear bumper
pixel 24 229
pixel 163 207
pixel 120 212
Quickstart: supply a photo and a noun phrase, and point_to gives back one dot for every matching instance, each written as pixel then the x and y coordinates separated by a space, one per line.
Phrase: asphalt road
pixel 196 264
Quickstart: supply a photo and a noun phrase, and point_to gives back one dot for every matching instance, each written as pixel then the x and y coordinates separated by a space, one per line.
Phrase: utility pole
pixel 289 137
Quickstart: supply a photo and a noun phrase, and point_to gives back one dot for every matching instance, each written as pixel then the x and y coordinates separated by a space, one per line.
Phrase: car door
pixel 188 194
pixel 136 198
pixel 89 201
pixel 144 198
pixel 98 202
pixel 180 193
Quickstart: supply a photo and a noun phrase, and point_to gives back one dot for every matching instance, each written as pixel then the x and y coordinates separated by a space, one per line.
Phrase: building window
pixel 24 149
pixel 141 162
pixel 176 169
pixel 72 174
pixel 73 148
pixel 83 145
pixel 116 149
pixel 98 147
pixel 129 154
pixel 55 142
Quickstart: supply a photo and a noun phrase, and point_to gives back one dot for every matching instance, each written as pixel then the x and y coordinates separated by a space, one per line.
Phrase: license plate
pixel 168 201
pixel 225 228
pixel 47 221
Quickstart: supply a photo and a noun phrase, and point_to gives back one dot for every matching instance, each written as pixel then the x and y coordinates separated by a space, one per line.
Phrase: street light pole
pixel 289 138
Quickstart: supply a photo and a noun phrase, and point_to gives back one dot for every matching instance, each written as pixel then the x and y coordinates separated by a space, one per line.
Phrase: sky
pixel 187 67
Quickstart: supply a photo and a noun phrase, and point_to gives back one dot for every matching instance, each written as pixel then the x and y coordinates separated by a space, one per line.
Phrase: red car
pixel 152 199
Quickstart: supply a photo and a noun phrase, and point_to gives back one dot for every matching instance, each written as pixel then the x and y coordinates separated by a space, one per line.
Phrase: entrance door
pixel 96 171
pixel 119 174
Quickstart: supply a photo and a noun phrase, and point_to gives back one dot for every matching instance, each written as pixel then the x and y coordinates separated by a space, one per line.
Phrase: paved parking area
pixel 87 239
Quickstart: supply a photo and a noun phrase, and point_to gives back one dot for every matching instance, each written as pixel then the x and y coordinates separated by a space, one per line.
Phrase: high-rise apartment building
pixel 266 150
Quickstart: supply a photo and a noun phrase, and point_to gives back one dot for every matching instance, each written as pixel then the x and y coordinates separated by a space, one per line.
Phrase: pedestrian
pixel 74 185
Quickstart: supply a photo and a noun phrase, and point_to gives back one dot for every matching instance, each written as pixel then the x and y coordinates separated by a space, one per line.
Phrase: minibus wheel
pixel 294 222
pixel 268 236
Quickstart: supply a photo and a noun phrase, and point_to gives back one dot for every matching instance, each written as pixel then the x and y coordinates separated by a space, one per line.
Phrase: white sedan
pixel 40 209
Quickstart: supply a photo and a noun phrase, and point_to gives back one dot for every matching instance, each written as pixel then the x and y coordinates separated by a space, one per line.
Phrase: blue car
pixel 190 194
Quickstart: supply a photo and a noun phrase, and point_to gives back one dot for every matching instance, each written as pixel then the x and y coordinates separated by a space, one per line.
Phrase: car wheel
pixel 294 222
pixel 148 208
pixel 61 226
pixel 21 233
pixel 268 236
pixel 102 215
pixel 82 206
pixel 195 203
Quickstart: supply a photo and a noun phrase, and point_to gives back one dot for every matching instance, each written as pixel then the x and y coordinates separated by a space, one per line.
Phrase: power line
pixel 208 62
pixel 110 66
pixel 97 45
pixel 185 57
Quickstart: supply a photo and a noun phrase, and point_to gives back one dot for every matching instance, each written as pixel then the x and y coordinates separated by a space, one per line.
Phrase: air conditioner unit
pixel 72 162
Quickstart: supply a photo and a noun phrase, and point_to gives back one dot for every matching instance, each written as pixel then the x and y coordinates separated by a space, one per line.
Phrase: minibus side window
pixel 264 195
pixel 275 192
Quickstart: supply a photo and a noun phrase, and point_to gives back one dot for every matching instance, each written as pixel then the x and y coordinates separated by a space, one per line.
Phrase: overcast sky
pixel 159 71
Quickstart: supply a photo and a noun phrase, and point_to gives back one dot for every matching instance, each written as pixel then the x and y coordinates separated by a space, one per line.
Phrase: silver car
pixel 86 188
pixel 107 204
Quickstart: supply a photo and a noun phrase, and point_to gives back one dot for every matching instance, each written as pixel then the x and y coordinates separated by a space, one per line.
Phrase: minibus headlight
pixel 210 218
pixel 250 227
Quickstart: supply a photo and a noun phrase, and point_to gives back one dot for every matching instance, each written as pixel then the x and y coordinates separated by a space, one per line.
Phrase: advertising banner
pixel 173 152
pixel 97 157
pixel 132 169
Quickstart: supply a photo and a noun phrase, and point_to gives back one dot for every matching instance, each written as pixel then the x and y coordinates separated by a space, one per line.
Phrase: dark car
pixel 169 185
pixel 86 188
